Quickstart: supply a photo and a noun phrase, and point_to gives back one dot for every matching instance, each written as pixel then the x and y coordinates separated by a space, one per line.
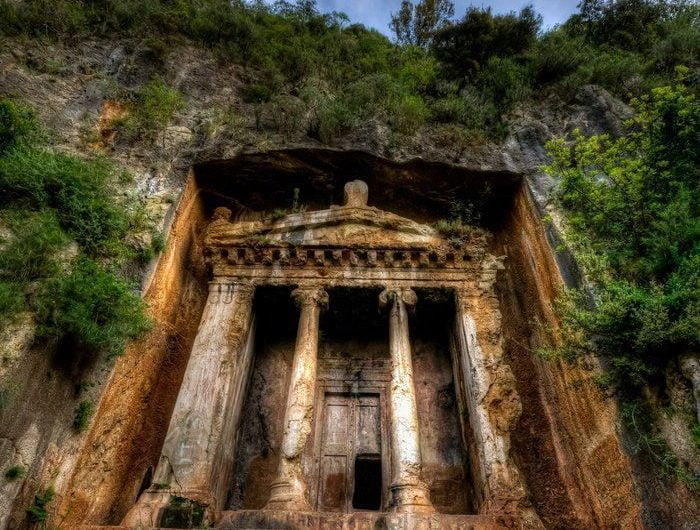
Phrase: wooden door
pixel 334 465
pixel 350 430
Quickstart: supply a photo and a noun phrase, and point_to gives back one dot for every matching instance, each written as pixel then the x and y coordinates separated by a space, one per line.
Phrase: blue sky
pixel 377 13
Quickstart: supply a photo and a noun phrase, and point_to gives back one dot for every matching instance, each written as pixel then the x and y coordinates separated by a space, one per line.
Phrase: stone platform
pixel 268 520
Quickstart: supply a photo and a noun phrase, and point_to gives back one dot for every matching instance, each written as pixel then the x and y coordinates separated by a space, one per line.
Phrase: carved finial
pixel 221 214
pixel 356 192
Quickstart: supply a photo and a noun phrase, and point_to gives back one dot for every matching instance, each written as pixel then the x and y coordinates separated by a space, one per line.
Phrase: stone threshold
pixel 278 520
pixel 269 520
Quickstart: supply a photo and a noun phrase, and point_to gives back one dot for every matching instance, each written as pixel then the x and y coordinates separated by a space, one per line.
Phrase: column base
pixel 167 508
pixel 288 495
pixel 410 498
pixel 148 510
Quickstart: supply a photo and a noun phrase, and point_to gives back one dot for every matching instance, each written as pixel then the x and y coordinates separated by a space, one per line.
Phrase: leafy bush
pixel 14 473
pixel 78 191
pixel 30 253
pixel 153 108
pixel 557 55
pixel 408 114
pixel 48 199
pixel 633 216
pixel 82 414
pixel 37 511
pixel 17 124
pixel 91 309
pixel 464 48
pixel 11 301
pixel 456 231
pixel 615 70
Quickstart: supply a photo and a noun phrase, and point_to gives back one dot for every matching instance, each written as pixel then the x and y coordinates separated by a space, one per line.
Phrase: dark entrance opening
pixel 368 483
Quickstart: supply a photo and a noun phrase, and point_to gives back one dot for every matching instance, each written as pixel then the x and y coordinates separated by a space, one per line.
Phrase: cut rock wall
pixel 566 442
pixel 132 418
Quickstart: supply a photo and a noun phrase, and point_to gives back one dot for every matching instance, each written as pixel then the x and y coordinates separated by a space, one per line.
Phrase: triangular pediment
pixel 339 226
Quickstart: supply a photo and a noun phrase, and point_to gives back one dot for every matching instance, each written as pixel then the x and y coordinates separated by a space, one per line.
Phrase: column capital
pixel 305 296
pixel 404 294
pixel 223 291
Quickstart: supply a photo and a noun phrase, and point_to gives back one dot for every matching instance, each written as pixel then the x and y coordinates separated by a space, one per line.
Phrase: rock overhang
pixel 422 190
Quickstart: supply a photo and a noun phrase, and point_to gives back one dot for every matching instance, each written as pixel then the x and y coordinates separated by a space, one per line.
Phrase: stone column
pixel 288 491
pixel 196 461
pixel 491 397
pixel 408 492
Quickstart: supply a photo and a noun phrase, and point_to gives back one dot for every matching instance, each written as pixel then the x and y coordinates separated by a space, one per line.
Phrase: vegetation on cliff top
pixel 329 76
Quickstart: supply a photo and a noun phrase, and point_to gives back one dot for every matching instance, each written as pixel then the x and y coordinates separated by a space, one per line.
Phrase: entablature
pixel 345 245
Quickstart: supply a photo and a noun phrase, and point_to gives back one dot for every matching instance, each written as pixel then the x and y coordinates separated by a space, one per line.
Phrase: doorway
pixel 350 458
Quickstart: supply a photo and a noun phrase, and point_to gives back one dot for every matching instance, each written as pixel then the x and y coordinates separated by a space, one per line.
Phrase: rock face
pixel 505 434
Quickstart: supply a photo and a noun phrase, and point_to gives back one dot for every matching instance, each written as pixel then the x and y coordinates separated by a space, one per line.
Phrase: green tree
pixel 415 24
pixel 465 47
pixel 633 217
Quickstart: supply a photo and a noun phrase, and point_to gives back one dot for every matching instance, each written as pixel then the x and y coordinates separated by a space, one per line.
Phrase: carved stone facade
pixel 352 439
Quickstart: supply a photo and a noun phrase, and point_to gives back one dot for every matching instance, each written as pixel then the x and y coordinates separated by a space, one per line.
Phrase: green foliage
pixel 465 47
pixel 416 24
pixel 456 230
pixel 30 254
pixel 47 200
pixel 557 55
pixel 345 74
pixel 182 513
pixel 78 191
pixel 625 24
pixel 639 418
pixel 14 473
pixel 17 124
pixel 695 432
pixel 82 414
pixel 90 308
pixel 408 114
pixel 152 109
pixel 632 207
pixel 37 511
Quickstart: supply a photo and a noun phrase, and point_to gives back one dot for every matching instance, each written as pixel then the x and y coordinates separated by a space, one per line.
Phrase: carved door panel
pixel 335 453
pixel 368 421
pixel 350 444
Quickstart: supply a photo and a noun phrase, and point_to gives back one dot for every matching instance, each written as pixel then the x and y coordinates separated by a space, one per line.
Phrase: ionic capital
pixel 403 294
pixel 305 296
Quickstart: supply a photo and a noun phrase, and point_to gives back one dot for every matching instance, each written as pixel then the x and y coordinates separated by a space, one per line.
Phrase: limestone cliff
pixel 567 443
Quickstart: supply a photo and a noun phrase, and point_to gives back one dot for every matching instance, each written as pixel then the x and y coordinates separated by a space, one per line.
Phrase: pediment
pixel 339 226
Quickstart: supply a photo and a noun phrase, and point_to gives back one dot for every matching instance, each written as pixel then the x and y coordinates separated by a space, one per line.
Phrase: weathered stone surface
pixel 408 491
pixel 690 367
pixel 289 490
pixel 197 461
pixel 574 419
pixel 365 521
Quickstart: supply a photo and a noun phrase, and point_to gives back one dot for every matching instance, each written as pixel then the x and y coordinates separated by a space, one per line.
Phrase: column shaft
pixel 408 493
pixel 492 401
pixel 197 457
pixel 289 491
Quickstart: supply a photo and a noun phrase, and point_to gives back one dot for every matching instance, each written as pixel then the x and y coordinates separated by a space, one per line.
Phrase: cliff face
pixel 567 444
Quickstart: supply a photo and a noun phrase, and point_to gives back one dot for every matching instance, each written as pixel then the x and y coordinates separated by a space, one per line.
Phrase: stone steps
pixel 277 520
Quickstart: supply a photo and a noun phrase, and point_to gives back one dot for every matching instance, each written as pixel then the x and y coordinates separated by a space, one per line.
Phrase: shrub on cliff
pixel 47 200
pixel 633 217
pixel 90 309
pixel 152 109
